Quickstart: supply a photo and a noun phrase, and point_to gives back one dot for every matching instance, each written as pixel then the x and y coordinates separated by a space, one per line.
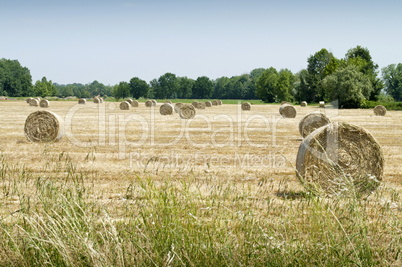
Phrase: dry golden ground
pixel 222 143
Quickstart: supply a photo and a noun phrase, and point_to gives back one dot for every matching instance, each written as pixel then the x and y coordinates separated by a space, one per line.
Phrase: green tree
pixel 301 86
pixel 220 88
pixel 15 80
pixel 203 88
pixel 317 70
pixel 392 76
pixel 138 88
pixel 121 91
pixel 361 58
pixel 44 88
pixel 166 87
pixel 267 84
pixel 284 88
pixel 185 88
pixel 348 86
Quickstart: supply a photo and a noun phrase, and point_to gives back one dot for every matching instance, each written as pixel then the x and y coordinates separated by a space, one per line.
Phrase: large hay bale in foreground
pixel 82 101
pixel 34 102
pixel 380 110
pixel 215 103
pixel 303 104
pixel 177 107
pixel 322 104
pixel 311 122
pixel 135 103
pixel 246 106
pixel 125 105
pixel 44 103
pixel 166 109
pixel 208 104
pixel 187 111
pixel 43 127
pixel 340 159
pixel 149 103
pixel 287 111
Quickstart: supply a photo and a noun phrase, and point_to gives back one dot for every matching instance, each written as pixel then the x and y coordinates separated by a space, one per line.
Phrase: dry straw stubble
pixel 311 122
pixel 246 106
pixel 340 159
pixel 187 111
pixel 43 127
pixel 166 109
pixel 380 110
pixel 287 111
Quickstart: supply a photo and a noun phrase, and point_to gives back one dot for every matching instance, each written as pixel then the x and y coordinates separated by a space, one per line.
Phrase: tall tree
pixel 392 76
pixel 348 86
pixel 44 88
pixel 121 91
pixel 266 85
pixel 166 86
pixel 220 88
pixel 203 88
pixel 138 88
pixel 185 88
pixel 317 70
pixel 15 80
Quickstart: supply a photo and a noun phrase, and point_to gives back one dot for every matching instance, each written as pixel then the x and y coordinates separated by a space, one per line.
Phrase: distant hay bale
pixel 154 102
pixel 168 102
pixel 149 103
pixel 303 104
pixel 177 107
pixel 44 103
pixel 208 104
pixel 38 98
pixel 340 159
pixel 287 111
pixel 195 104
pixel 246 106
pixel 129 100
pixel 380 110
pixel 135 103
pixel 311 122
pixel 201 105
pixel 96 100
pixel 219 102
pixel 82 101
pixel 43 127
pixel 166 109
pixel 28 99
pixel 125 105
pixel 322 104
pixel 285 102
pixel 187 111
pixel 214 103
pixel 34 102
pixel 101 100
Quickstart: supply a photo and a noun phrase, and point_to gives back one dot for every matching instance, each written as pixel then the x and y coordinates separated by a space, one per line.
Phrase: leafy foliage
pixel 15 80
pixel 392 75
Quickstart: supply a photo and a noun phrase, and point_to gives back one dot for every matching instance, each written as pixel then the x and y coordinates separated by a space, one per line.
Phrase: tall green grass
pixel 58 219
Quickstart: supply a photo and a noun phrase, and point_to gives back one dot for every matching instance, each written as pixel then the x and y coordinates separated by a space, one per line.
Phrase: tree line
pixel 350 80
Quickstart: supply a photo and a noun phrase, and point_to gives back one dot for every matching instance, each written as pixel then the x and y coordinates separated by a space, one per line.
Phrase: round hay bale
pixel 177 107
pixel 303 104
pixel 154 102
pixel 285 102
pixel 149 103
pixel 34 102
pixel 168 102
pixel 125 105
pixel 195 104
pixel 101 100
pixel 311 122
pixel 44 103
pixel 201 105
pixel 96 100
pixel 208 104
pixel 214 103
pixel 187 111
pixel 340 159
pixel 322 104
pixel 246 106
pixel 135 103
pixel 380 110
pixel 129 100
pixel 166 109
pixel 82 101
pixel 43 127
pixel 287 111
pixel 219 102
pixel 38 98
pixel 28 100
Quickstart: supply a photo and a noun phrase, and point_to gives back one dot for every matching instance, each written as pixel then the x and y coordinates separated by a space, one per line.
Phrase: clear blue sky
pixel 113 41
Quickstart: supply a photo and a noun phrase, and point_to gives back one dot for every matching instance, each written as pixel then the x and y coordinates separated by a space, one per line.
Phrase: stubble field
pixel 220 189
